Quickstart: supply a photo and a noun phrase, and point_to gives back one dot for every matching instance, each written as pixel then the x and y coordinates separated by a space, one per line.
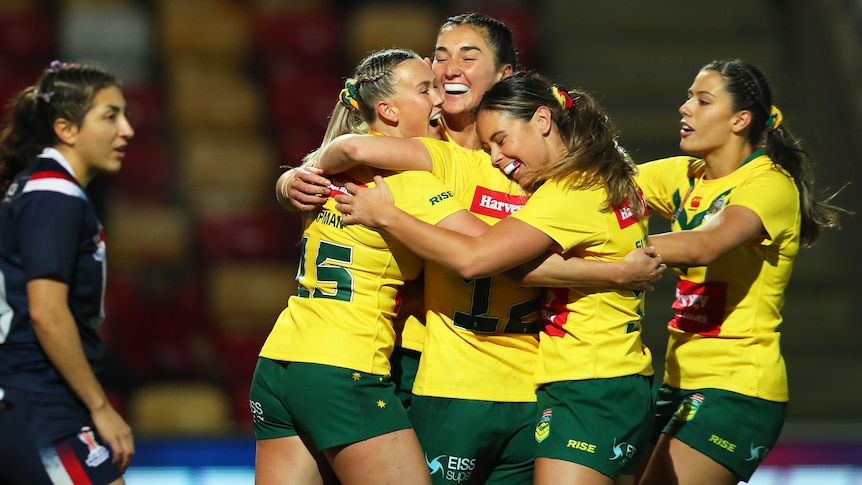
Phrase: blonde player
pixel 593 372
pixel 321 395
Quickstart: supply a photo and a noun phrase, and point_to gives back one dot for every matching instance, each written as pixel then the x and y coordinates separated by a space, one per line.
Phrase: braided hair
pixel 373 80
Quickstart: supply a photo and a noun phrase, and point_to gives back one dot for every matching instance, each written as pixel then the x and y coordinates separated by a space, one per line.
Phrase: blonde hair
pixel 372 80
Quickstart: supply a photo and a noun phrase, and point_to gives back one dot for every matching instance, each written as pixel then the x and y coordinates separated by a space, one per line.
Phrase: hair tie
pixel 348 95
pixel 774 120
pixel 46 97
pixel 562 97
pixel 56 65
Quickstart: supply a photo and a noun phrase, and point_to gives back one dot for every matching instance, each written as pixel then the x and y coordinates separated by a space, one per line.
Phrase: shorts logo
pixel 543 429
pixel 256 411
pixel 758 453
pixel 97 453
pixel 623 450
pixel 723 443
pixel 689 406
pixel 99 240
pixel 454 468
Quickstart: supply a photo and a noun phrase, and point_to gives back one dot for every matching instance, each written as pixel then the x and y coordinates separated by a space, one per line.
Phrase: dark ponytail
pixel 750 91
pixel 62 91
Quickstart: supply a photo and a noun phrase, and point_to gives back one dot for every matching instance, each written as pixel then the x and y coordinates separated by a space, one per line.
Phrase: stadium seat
pixel 209 28
pixel 27 34
pixel 226 171
pixel 376 25
pixel 145 107
pixel 295 141
pixel 148 173
pixel 117 35
pixel 212 93
pixel 245 235
pixel 144 233
pixel 180 409
pixel 156 326
pixel 299 94
pixel 313 35
pixel 247 297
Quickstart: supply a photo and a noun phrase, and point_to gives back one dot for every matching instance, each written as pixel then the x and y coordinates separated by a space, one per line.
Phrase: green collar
pixel 754 154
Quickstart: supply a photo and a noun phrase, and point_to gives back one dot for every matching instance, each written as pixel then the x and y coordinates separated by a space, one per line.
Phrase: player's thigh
pixel 394 457
pixel 289 459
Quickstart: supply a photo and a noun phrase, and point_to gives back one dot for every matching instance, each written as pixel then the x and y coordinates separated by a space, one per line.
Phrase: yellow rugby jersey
pixel 588 333
pixel 725 331
pixel 350 282
pixel 481 335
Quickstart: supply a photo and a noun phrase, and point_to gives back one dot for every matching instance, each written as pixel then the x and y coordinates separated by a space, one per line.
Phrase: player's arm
pixel 732 227
pixel 57 333
pixel 637 271
pixel 384 152
pixel 306 187
pixel 501 247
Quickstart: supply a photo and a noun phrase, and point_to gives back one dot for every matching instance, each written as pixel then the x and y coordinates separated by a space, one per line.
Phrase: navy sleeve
pixel 50 230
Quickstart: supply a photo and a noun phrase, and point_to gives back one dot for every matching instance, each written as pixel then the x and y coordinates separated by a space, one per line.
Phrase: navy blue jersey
pixel 48 229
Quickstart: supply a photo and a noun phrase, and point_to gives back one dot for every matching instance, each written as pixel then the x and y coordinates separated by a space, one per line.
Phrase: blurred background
pixel 222 93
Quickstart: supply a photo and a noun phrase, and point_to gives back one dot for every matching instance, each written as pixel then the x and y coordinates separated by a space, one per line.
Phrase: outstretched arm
pixel 729 229
pixel 509 244
pixel 639 270
pixel 503 246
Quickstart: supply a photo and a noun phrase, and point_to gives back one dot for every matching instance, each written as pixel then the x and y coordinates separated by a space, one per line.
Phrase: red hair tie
pixel 562 97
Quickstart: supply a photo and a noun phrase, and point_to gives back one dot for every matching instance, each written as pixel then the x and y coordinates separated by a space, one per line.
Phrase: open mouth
pixel 511 168
pixel 456 88
pixel 436 120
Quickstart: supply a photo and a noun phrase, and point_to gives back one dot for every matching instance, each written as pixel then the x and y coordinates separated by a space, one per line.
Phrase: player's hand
pixel 116 433
pixel 367 206
pixel 305 189
pixel 644 268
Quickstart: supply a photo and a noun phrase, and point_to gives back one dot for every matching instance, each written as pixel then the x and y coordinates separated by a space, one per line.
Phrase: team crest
pixel 689 406
pixel 97 453
pixel 716 207
pixel 543 429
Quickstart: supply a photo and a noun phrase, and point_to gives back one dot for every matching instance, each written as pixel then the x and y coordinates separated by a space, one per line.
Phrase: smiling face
pixel 465 65
pixel 417 101
pixel 515 146
pixel 708 120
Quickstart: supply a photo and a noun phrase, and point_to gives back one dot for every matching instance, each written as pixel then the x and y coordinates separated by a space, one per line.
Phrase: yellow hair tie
pixel 775 119
pixel 348 95
pixel 562 97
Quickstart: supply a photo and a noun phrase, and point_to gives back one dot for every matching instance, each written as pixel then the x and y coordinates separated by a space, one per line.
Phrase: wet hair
pixel 372 80
pixel 496 33
pixel 749 90
pixel 594 158
pixel 63 91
